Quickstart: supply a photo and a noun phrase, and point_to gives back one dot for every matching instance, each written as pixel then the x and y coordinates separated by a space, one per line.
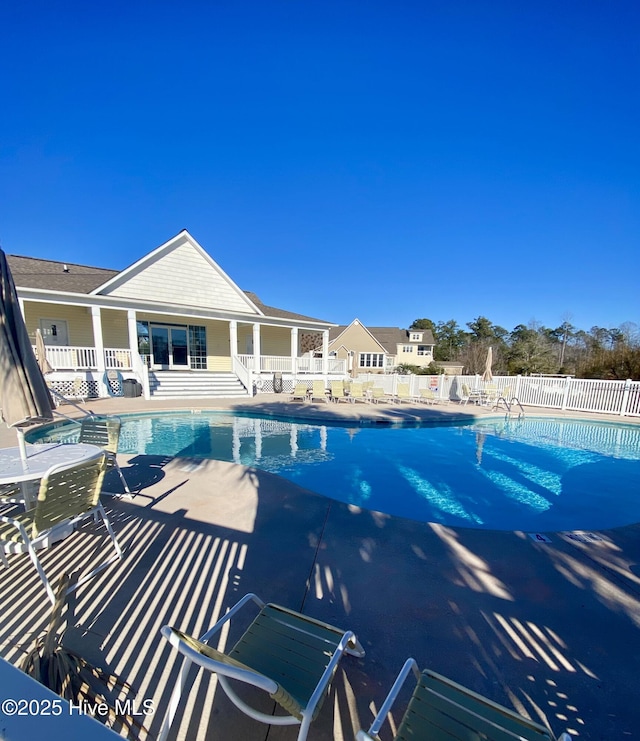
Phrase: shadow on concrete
pixel 550 629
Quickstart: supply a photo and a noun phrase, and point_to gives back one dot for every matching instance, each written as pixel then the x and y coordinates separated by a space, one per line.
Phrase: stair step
pixel 172 384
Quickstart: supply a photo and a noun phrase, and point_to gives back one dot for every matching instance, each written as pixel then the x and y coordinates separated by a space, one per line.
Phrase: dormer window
pixel 415 336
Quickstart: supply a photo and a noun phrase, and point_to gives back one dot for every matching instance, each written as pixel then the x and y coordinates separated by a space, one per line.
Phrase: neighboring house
pixel 172 315
pixel 380 349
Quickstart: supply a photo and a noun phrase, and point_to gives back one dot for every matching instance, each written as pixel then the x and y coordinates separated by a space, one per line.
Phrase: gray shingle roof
pixel 280 313
pixel 390 337
pixel 33 272
pixel 50 275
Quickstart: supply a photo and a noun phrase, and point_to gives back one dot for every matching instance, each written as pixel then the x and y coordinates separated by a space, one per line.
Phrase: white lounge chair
pixel 337 391
pixel 403 394
pixel 319 391
pixel 301 391
pixel 379 395
pixel 356 393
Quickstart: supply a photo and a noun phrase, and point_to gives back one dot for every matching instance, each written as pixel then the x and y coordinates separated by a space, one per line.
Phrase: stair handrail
pixel 243 373
pixel 517 401
pixel 509 405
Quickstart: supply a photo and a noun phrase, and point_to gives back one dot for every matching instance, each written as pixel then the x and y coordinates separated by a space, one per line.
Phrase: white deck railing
pixel 85 358
pixel 286 364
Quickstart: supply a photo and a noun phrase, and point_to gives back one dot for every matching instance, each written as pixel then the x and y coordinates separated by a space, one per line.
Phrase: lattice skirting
pixel 267 386
pixel 72 389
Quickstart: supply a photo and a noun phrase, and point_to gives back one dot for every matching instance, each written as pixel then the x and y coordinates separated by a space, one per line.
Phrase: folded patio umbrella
pixel 488 375
pixel 41 354
pixel 24 397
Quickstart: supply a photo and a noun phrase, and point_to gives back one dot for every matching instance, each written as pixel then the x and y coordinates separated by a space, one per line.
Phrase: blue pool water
pixel 535 475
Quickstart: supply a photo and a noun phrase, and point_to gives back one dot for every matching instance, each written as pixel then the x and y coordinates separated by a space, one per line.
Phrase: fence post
pixel 625 397
pixel 565 395
pixel 516 391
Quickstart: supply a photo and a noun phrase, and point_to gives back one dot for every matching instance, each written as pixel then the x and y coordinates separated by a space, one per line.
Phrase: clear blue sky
pixel 386 160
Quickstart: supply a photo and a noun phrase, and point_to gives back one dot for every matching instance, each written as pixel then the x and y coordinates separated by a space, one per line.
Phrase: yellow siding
pixel 115 331
pixel 356 338
pixel 78 319
pixel 275 341
pixel 218 344
pixel 245 338
pixel 218 364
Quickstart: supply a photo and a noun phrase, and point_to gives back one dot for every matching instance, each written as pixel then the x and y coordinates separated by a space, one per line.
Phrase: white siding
pixel 183 276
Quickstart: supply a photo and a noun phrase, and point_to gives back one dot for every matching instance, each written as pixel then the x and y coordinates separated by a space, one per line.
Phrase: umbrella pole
pixel 21 444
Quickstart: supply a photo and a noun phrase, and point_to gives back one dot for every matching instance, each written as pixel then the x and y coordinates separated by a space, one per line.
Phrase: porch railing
pixel 286 364
pixel 85 358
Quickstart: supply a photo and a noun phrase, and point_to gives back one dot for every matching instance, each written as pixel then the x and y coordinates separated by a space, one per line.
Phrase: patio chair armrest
pixel 327 675
pixel 238 606
pixel 18 525
pixel 410 665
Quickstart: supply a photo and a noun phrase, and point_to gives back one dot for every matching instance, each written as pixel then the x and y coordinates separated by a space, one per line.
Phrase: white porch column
pixel 294 350
pixel 133 336
pixel 233 340
pixel 137 366
pixel 98 343
pixel 256 348
pixel 325 352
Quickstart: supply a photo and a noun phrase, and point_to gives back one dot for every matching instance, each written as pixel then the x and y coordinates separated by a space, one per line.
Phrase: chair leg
pixel 112 535
pixel 43 577
pixel 127 490
pixel 113 559
pixel 174 701
pixel 113 462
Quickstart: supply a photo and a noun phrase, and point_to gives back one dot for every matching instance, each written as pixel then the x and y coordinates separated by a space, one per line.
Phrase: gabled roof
pixel 180 267
pixel 73 278
pixel 336 332
pixel 388 337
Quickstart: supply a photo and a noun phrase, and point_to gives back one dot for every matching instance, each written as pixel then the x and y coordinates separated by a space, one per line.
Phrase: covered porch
pixel 84 342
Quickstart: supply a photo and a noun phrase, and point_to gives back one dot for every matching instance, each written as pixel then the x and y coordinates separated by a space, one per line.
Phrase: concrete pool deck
pixel 548 628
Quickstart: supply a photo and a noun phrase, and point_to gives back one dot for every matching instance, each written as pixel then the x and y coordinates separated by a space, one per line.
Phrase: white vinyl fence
pixel 572 394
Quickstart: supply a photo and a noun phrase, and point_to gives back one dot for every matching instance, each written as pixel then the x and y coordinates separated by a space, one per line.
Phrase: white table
pixel 40 458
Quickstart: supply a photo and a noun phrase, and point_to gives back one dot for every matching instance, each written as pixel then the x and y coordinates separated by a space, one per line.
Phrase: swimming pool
pixel 536 474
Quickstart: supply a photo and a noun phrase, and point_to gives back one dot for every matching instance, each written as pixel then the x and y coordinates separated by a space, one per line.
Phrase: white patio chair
pixel 290 656
pixel 442 710
pixel 68 495
pixel 105 433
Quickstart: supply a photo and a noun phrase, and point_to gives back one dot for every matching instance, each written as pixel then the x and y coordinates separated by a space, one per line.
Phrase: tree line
pixel 533 348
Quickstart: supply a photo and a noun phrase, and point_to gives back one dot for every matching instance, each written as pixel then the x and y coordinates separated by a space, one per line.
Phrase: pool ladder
pixel 509 406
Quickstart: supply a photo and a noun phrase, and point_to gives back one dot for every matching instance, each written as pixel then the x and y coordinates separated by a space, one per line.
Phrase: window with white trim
pixel 371 360
pixel 415 336
pixel 407 348
pixel 425 349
